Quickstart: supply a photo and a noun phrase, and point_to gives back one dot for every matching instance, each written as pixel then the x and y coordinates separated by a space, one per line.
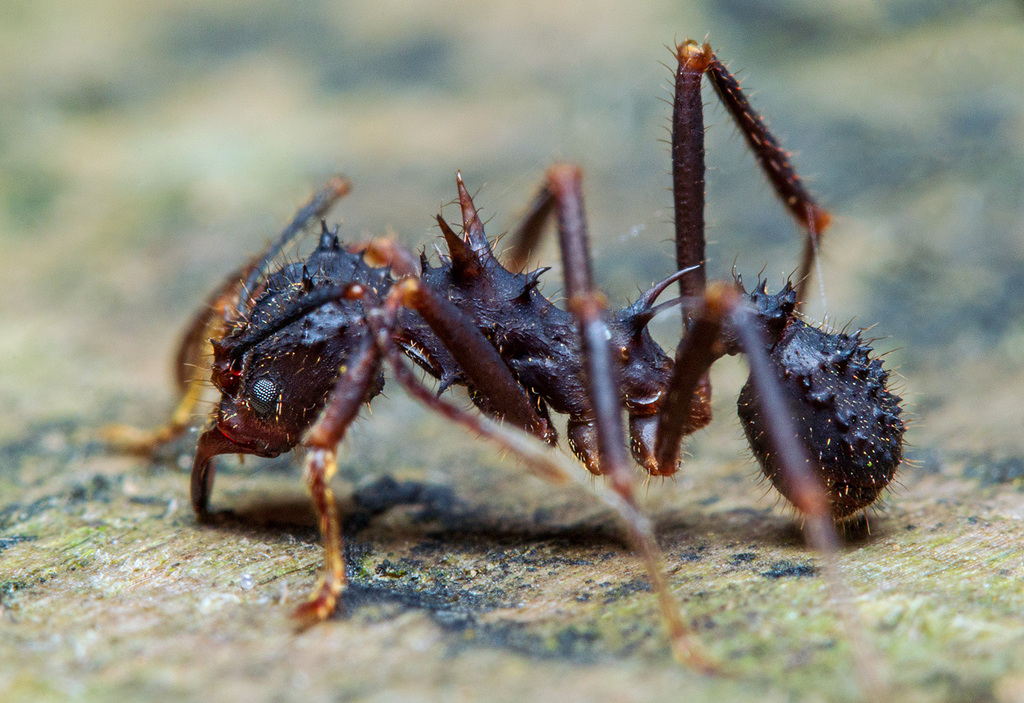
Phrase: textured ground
pixel 145 151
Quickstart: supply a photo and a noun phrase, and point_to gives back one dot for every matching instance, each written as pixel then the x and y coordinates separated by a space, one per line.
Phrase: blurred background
pixel 148 148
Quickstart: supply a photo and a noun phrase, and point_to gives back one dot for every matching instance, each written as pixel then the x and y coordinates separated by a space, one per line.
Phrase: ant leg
pixel 688 168
pixel 724 309
pixel 805 489
pixel 190 375
pixel 688 203
pixel 317 206
pixel 527 234
pixel 209 322
pixel 321 442
pixel 587 305
pixel 686 407
pixel 555 467
pixel 679 416
pixel 478 358
pixel 770 156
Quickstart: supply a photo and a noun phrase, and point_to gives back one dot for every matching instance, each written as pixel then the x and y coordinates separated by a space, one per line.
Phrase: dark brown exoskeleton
pixel 298 350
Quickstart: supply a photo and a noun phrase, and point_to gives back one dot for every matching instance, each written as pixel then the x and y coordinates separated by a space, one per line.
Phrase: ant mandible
pixel 298 350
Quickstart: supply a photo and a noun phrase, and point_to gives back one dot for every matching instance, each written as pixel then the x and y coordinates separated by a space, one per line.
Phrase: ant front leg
pixel 321 441
pixel 222 308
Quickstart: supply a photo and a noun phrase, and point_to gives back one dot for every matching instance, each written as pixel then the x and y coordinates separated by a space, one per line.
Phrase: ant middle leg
pixel 587 305
pixel 601 372
pixel 551 465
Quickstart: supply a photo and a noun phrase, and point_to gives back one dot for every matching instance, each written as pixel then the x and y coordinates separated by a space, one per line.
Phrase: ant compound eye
pixel 263 396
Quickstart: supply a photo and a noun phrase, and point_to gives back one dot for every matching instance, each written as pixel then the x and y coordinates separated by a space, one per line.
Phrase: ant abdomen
pixel 843 411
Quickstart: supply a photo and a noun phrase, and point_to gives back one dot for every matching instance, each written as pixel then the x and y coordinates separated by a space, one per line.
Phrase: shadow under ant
pixel 441 515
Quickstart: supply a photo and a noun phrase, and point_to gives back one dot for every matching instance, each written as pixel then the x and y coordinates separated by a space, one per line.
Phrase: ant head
pixel 274 391
pixel 276 369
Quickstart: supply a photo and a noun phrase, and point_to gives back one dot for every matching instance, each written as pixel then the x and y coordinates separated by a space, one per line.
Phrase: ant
pixel 298 350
